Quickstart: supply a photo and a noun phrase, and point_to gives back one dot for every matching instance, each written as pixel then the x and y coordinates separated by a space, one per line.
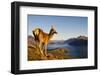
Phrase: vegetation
pixel 53 54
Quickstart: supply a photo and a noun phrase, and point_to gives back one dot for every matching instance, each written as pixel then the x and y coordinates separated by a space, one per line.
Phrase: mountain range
pixel 80 40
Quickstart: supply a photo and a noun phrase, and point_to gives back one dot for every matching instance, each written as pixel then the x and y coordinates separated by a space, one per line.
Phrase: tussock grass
pixel 53 54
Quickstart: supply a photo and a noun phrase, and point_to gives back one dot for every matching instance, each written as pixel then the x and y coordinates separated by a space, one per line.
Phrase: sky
pixel 66 26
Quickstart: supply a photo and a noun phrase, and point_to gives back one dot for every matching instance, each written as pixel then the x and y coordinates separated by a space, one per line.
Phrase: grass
pixel 53 54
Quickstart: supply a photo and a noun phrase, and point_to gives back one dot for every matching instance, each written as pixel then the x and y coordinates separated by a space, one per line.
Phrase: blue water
pixel 77 51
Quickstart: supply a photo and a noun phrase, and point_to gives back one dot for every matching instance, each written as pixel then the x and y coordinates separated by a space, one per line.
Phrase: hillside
pixel 59 52
pixel 54 54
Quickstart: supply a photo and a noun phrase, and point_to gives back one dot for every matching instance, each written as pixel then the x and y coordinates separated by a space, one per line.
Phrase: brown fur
pixel 42 39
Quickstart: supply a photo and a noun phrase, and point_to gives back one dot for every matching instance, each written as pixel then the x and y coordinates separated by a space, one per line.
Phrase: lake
pixel 76 51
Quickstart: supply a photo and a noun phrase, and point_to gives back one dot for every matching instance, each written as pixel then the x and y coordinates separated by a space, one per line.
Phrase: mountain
pixel 82 37
pixel 56 42
pixel 79 41
pixel 31 40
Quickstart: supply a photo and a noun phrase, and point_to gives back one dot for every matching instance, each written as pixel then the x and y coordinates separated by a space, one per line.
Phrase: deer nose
pixel 56 32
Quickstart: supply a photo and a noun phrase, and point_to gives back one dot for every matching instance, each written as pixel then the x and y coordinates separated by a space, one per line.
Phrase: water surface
pixel 77 51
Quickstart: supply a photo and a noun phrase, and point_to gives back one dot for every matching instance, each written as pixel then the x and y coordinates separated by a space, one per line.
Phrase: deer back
pixel 41 36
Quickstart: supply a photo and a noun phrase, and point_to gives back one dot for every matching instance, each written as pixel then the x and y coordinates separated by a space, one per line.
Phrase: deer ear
pixel 52 26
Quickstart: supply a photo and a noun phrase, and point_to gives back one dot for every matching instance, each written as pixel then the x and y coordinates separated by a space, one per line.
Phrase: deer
pixel 42 39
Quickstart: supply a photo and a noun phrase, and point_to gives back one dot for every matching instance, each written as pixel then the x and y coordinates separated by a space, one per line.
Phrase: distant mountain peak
pixel 80 40
pixel 82 37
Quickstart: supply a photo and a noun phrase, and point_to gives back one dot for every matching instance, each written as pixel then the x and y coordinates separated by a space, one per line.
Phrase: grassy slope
pixel 53 54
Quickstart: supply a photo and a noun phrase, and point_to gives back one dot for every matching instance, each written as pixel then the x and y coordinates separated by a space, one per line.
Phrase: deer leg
pixel 37 45
pixel 45 50
pixel 40 48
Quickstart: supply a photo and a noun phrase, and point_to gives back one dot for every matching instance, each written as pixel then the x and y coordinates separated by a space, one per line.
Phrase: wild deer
pixel 42 39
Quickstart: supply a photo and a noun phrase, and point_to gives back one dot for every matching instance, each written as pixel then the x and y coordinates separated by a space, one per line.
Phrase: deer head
pixel 53 31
